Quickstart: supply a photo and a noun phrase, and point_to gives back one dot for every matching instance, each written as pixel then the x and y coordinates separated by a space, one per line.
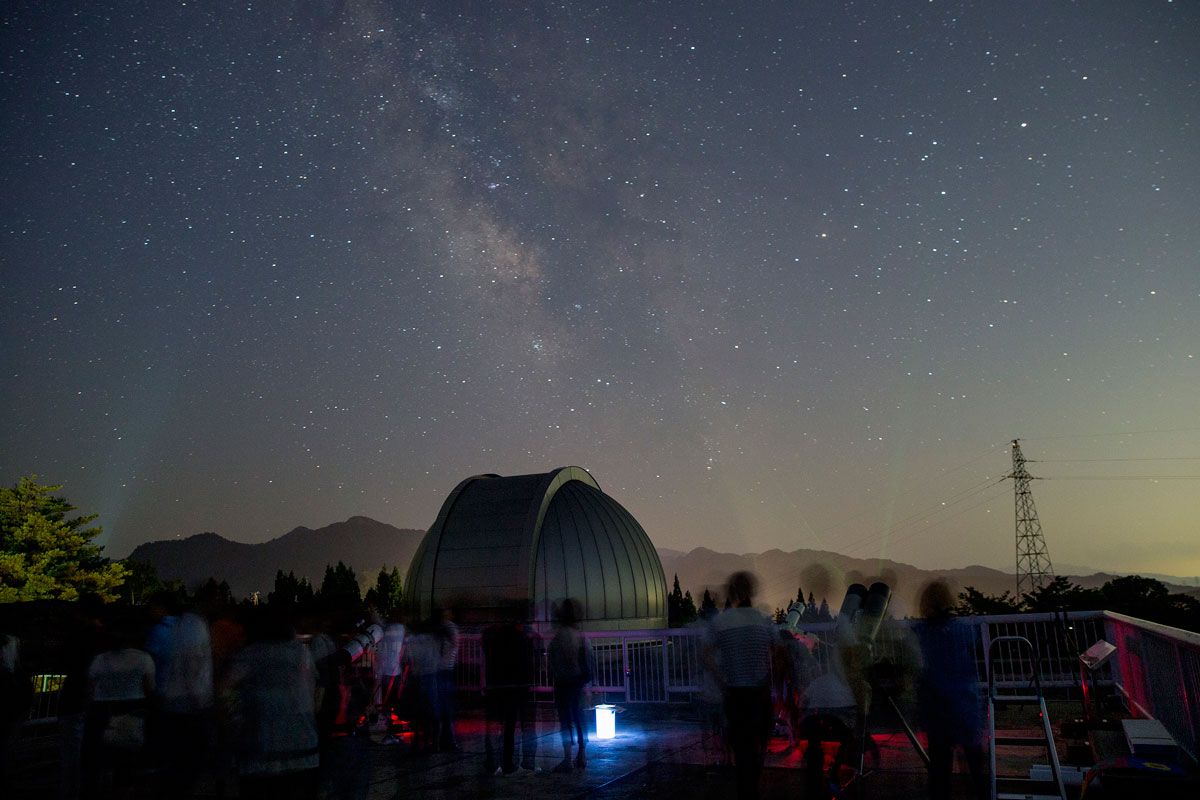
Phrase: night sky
pixel 782 275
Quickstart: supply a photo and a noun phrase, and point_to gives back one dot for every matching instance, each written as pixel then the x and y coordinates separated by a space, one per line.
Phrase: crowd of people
pixel 236 700
pixel 761 678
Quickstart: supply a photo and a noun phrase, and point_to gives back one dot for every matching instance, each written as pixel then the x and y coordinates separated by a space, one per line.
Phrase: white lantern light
pixel 606 721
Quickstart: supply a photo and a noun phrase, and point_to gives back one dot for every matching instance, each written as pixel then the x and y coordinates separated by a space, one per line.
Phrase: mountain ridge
pixel 367 545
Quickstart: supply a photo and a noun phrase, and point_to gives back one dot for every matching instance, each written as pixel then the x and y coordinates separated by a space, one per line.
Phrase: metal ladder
pixel 1021 788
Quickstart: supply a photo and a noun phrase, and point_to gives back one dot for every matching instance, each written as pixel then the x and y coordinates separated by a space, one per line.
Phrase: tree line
pixel 49 553
pixel 1133 595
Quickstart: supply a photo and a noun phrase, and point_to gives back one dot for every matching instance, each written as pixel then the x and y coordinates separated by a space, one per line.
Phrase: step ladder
pixel 1015 787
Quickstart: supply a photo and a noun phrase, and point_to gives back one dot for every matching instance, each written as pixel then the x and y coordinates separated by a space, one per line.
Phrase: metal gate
pixel 645 675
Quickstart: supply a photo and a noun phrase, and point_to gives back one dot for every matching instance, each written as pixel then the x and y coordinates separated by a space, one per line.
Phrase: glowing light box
pixel 606 721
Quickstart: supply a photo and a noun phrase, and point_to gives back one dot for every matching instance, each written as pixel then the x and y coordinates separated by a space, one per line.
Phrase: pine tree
pixel 823 614
pixel 46 555
pixel 386 593
pixel 291 591
pixel 339 588
pixel 707 601
pixel 687 609
pixel 675 606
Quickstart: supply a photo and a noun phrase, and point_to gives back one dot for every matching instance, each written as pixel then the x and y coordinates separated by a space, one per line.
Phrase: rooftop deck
pixel 660 749
pixel 657 753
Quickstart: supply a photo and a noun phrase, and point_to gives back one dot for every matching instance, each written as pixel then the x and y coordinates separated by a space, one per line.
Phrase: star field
pixel 779 276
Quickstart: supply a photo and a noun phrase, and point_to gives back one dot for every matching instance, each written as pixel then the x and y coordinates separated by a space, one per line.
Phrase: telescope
pixel 359 643
pixel 862 612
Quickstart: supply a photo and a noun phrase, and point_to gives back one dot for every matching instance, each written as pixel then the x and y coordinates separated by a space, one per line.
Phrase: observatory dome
pixel 500 543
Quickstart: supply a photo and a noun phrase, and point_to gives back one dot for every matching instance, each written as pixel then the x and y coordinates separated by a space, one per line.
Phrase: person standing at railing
pixel 447 685
pixel 422 652
pixel 270 690
pixel 508 658
pixel 389 673
pixel 712 698
pixel 571 668
pixel 948 692
pixel 744 638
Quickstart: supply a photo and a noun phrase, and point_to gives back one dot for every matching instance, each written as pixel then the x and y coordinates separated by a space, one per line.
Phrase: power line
pixel 865 543
pixel 917 516
pixel 1121 478
pixel 1093 460
pixel 1109 433
pixel 991 499
pixel 989 450
pixel 797 573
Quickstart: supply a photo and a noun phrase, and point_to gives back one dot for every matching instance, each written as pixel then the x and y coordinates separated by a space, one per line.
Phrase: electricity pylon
pixel 1033 561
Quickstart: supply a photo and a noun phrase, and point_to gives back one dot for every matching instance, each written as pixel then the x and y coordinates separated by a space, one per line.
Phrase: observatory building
pixel 501 544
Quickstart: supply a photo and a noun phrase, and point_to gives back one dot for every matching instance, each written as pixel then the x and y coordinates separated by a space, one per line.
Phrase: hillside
pixel 826 575
pixel 363 543
pixel 366 545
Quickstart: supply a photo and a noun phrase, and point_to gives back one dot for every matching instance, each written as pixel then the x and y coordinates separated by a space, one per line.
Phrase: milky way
pixel 787 275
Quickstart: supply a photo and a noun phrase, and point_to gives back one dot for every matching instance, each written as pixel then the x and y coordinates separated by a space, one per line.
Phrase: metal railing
pixel 664 665
pixel 1158 671
pixel 1157 668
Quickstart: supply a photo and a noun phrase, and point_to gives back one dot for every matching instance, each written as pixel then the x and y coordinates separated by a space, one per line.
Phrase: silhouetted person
pixel 508 654
pixel 81 647
pixel 571 667
pixel 744 637
pixel 16 690
pixel 271 684
pixel 948 691
pixel 423 653
pixel 447 685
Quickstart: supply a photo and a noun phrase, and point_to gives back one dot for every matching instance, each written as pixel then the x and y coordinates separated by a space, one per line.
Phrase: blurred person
pixel 270 687
pixel 571 668
pixel 744 638
pixel 793 667
pixel 508 659
pixel 227 634
pixel 120 684
pixel 712 698
pixel 447 634
pixel 184 720
pixel 948 697
pixel 347 688
pixel 82 643
pixel 165 607
pixel 831 713
pixel 389 673
pixel 423 654
pixel 16 693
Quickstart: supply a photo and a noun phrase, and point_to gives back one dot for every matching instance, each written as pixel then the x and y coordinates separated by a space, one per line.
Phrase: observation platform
pixel 661 749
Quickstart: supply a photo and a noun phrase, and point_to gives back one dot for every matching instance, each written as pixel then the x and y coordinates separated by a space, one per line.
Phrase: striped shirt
pixel 743 638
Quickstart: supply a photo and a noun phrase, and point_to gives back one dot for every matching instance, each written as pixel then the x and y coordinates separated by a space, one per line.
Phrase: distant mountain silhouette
pixel 366 545
pixel 363 543
pixel 826 575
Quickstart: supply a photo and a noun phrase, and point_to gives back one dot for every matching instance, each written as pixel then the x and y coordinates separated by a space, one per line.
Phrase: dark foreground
pixel 656 754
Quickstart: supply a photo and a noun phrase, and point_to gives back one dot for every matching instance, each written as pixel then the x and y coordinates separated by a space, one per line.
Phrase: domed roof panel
pixel 593 550
pixel 499 542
